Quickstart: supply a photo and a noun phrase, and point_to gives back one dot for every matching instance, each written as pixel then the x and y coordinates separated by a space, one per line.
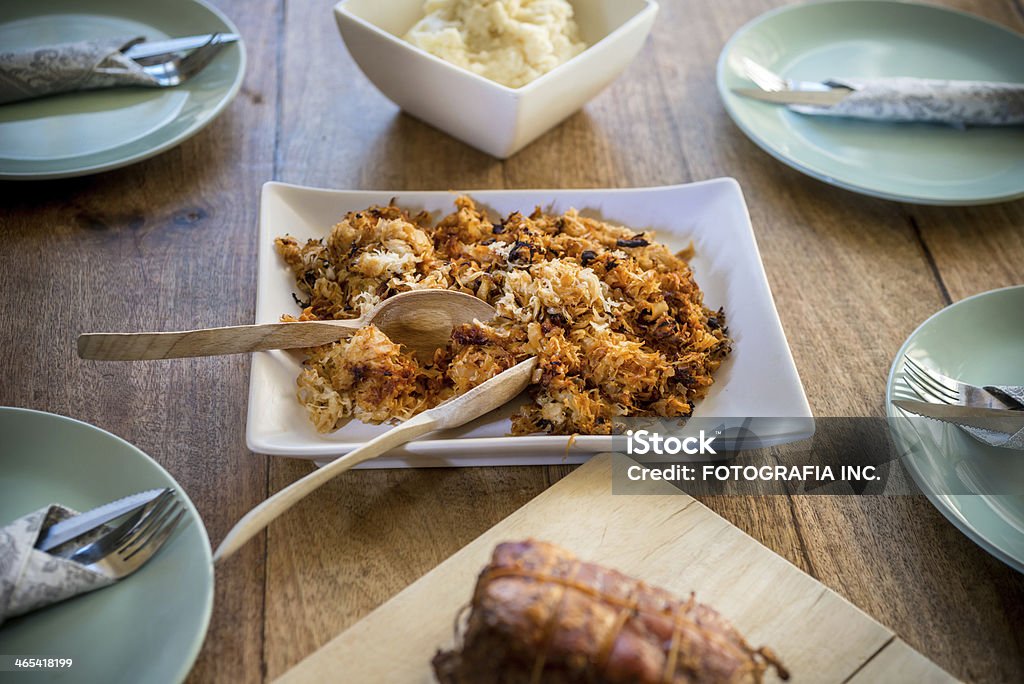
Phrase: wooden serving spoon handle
pixel 235 339
pixel 457 411
pixel 258 518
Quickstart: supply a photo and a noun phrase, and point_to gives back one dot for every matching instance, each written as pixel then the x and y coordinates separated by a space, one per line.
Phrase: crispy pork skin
pixel 539 614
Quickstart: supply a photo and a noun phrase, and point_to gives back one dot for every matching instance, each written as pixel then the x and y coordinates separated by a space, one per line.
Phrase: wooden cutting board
pixel 666 538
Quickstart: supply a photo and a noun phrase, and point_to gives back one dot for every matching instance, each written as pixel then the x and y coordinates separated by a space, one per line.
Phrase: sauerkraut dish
pixel 616 319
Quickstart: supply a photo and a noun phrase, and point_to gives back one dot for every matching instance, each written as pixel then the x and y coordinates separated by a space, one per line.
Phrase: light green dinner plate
pixel 979 340
pixel 80 133
pixel 149 626
pixel 918 163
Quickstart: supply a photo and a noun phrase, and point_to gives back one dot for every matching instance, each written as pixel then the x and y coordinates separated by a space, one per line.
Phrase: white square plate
pixel 758 379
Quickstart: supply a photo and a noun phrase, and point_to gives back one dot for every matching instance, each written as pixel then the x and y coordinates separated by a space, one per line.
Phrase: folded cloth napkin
pixel 87 65
pixel 958 103
pixel 30 578
pixel 1014 392
pixel 996 439
pixel 1004 440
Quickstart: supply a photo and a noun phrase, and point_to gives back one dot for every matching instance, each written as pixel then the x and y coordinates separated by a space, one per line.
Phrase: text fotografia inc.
pixel 678 472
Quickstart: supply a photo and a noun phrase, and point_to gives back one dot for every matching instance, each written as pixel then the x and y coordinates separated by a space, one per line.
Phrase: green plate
pixel 979 340
pixel 146 628
pixel 80 133
pixel 918 163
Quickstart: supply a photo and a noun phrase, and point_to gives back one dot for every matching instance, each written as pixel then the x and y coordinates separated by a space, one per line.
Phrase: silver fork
pixel 104 543
pixel 118 556
pixel 178 69
pixel 937 388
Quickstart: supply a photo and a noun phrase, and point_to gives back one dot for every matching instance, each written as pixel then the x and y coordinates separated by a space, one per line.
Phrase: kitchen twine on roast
pixel 552 625
pixel 677 634
pixel 628 606
pixel 604 654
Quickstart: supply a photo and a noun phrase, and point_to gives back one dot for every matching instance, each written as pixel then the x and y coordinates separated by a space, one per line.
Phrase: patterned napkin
pixel 997 439
pixel 30 578
pixel 994 438
pixel 1012 391
pixel 958 103
pixel 88 65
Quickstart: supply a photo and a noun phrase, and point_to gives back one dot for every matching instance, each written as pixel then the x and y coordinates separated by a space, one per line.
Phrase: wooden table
pixel 171 244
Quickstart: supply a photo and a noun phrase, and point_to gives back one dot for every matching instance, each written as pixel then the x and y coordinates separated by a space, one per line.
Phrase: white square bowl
pixel 758 379
pixel 480 112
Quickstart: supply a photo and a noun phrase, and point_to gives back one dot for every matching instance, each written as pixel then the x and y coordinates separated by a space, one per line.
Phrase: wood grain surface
pixel 170 244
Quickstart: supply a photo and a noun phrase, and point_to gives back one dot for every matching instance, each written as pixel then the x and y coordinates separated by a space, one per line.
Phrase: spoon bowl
pixel 419 320
pixel 422 320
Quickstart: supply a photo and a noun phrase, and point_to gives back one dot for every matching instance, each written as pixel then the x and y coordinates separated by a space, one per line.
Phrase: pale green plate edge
pixel 148 153
pixel 942 501
pixel 727 101
pixel 206 552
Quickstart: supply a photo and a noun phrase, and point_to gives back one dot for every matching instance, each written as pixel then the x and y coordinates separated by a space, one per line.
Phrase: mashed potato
pixel 511 42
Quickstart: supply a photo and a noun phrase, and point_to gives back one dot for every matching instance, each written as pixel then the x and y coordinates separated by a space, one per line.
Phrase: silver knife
pixel 66 530
pixel 814 98
pixel 1006 421
pixel 147 49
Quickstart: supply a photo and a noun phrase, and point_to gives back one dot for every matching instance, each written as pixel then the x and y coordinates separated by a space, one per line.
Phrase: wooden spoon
pixel 457 411
pixel 421 320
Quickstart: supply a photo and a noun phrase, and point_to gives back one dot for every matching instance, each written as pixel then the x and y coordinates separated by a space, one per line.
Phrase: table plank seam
pixel 673 124
pixel 798 529
pixel 930 260
pixel 264 663
pixel 275 174
pixel 280 15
